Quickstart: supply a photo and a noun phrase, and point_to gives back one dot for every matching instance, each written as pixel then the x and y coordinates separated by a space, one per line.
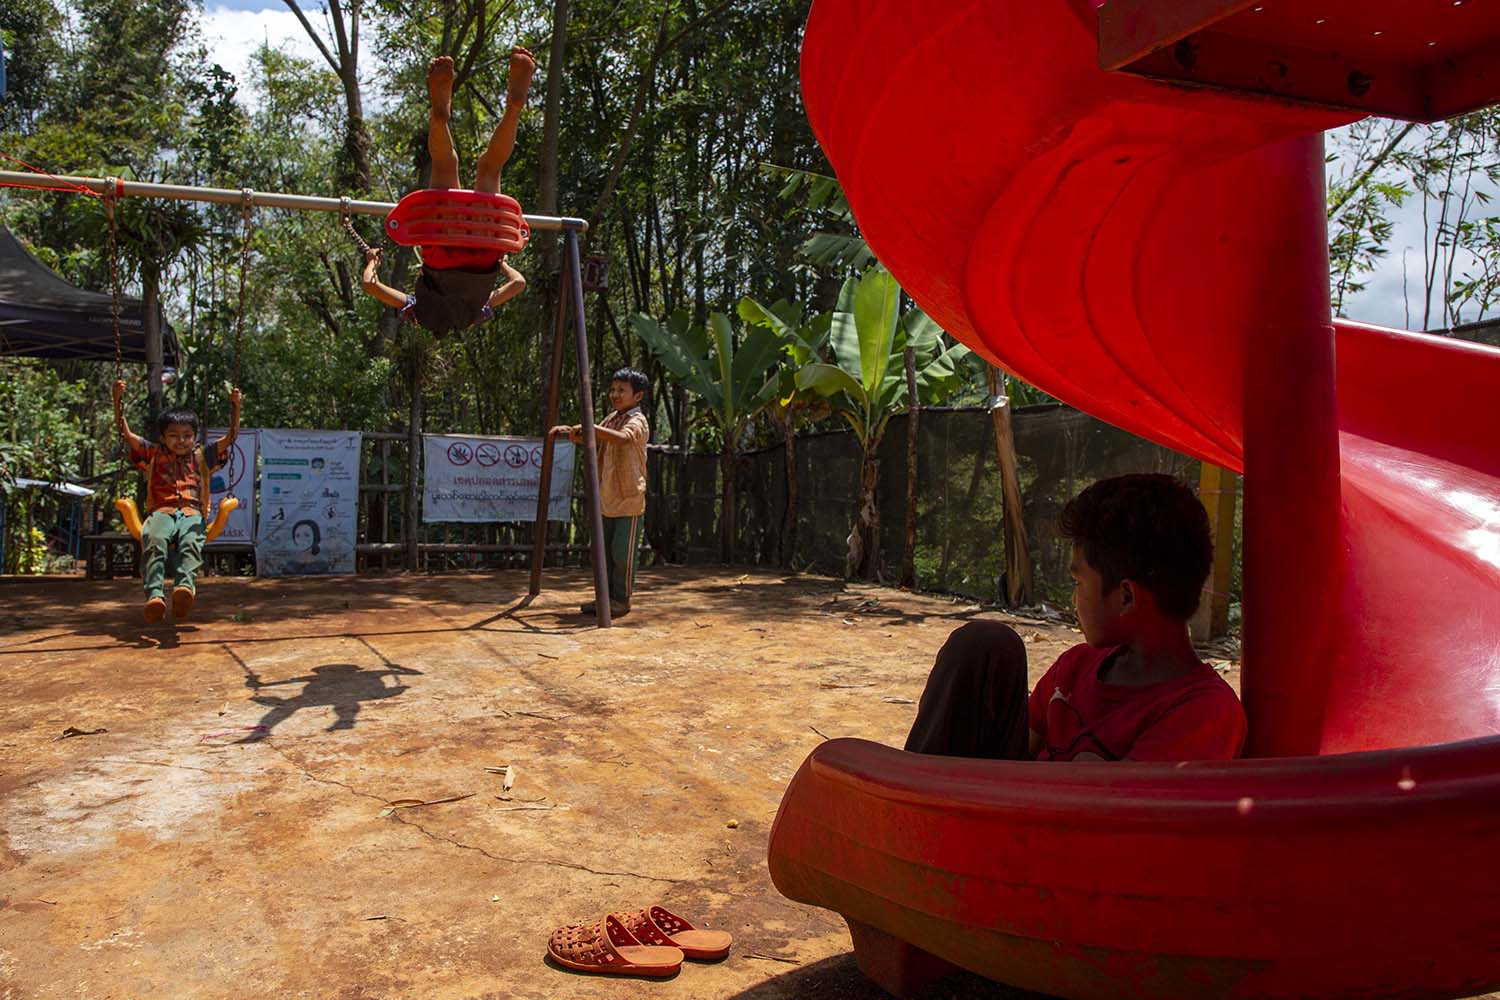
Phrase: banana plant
pixel 802 341
pixel 866 385
pixel 732 376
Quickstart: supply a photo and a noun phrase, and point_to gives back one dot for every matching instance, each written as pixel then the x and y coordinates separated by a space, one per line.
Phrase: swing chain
pixel 247 210
pixel 109 197
pixel 347 218
pixel 114 272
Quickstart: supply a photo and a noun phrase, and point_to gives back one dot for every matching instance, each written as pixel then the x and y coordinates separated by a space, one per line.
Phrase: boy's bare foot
pixel 182 603
pixel 522 65
pixel 156 610
pixel 440 87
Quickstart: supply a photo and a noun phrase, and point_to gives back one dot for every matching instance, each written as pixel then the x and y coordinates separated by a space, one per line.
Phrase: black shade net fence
pixel 959 538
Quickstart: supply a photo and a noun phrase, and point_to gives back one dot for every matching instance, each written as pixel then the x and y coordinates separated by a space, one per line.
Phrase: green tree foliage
pixel 1449 170
pixel 730 373
pixel 866 384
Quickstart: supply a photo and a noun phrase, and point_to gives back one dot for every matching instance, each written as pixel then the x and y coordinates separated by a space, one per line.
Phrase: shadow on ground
pixel 839 978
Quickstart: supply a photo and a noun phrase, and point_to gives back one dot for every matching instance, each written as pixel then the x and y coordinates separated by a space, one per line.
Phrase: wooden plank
pixel 1218 490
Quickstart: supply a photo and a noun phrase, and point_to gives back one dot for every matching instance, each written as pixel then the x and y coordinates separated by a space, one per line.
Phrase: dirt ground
pixel 229 830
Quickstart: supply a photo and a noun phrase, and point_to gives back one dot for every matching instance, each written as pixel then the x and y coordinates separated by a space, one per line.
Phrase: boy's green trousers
pixel 171 545
pixel 621 537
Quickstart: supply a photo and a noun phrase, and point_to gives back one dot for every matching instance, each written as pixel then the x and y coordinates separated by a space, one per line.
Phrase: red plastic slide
pixel 1156 255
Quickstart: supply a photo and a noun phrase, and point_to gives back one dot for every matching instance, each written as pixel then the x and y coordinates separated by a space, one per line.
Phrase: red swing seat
pixel 455 217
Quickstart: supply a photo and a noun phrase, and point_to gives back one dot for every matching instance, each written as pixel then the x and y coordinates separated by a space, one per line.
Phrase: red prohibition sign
pixel 460 453
pixel 487 454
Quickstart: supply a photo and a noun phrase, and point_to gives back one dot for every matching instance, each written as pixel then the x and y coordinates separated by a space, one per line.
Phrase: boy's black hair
pixel 1148 528
pixel 317 535
pixel 175 416
pixel 637 378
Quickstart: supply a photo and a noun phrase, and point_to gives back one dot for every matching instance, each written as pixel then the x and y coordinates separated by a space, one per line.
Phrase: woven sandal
pixel 606 946
pixel 660 926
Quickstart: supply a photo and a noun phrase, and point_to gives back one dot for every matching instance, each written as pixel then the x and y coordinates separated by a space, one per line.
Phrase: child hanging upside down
pixel 177 474
pixel 457 287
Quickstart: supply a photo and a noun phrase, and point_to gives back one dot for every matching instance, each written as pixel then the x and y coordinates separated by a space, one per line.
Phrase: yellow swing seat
pixel 132 516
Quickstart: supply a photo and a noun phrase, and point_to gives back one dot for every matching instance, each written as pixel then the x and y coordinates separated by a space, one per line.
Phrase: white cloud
pixel 234 36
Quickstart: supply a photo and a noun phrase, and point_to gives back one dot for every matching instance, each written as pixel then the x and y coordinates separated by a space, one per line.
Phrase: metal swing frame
pixel 570 297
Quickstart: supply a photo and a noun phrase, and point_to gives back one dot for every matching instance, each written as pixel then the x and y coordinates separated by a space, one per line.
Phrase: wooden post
pixel 590 448
pixel 913 416
pixel 1218 489
pixel 554 389
pixel 1018 582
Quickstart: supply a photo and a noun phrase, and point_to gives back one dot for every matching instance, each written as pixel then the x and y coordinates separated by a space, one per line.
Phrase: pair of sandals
pixel 649 942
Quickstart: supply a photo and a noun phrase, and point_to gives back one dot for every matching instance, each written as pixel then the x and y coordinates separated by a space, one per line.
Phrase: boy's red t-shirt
pixel 1192 717
pixel 172 481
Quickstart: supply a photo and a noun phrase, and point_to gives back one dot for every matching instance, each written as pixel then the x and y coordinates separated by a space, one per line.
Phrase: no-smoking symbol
pixel 460 453
pixel 516 456
pixel 487 454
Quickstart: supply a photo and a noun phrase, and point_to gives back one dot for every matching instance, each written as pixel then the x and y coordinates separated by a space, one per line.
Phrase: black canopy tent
pixel 43 316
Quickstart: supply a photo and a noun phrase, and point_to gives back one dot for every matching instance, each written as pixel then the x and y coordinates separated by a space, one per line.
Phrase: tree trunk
pixel 1019 587
pixel 345 64
pixel 151 308
pixel 864 535
pixel 551 125
pixel 789 520
pixel 547 183
pixel 726 503
pixel 913 417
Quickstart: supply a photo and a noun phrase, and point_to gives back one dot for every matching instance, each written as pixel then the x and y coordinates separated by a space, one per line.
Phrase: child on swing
pixel 457 287
pixel 177 472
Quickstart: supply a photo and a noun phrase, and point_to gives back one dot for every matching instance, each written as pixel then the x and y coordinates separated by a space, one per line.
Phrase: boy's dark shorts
pixel 452 299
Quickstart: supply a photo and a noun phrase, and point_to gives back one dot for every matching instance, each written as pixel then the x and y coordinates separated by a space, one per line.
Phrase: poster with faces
pixel 309 502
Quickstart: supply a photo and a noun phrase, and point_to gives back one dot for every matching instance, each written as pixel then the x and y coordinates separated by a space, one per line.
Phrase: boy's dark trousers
pixel 975 702
pixel 620 542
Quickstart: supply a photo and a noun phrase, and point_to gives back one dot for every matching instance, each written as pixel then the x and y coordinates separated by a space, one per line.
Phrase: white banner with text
pixel 489 479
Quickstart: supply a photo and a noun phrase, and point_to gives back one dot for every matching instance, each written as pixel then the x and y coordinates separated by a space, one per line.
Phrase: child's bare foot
pixel 522 65
pixel 440 87
pixel 156 610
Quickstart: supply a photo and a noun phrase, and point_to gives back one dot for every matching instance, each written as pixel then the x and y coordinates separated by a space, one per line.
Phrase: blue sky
pixel 248 4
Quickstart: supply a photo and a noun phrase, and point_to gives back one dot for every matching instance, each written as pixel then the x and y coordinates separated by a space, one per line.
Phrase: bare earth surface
pixel 182 852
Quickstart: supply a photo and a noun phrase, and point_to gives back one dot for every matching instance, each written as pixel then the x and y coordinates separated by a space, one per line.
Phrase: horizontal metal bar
pixel 258 199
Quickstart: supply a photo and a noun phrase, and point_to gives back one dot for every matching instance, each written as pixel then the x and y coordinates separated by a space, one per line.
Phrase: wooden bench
pixel 111 554
pixel 228 559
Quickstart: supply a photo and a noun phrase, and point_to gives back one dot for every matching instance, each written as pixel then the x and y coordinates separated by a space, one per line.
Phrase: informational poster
pixel 236 478
pixel 309 494
pixel 489 479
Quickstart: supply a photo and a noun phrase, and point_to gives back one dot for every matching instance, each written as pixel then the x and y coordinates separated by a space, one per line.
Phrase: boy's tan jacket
pixel 622 467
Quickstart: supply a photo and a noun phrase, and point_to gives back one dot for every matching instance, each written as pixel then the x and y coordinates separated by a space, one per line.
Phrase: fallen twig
pixel 395 804
pixel 772 958
pixel 72 731
pixel 820 732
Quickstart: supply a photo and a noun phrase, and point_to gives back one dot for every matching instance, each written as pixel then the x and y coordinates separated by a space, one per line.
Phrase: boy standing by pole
pixel 622 441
